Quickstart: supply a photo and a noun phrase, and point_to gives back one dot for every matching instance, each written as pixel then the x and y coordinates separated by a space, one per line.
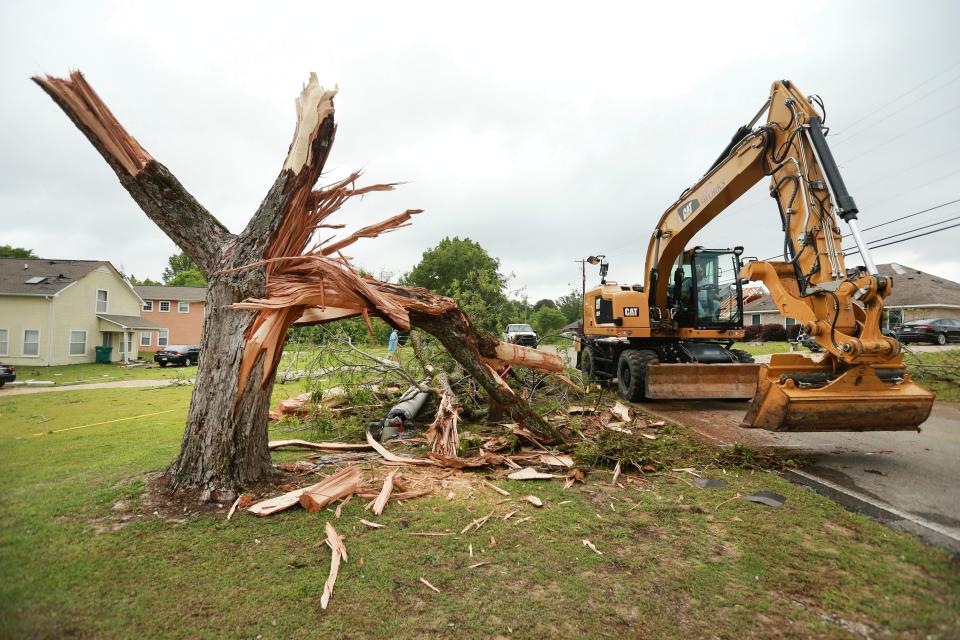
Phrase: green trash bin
pixel 103 355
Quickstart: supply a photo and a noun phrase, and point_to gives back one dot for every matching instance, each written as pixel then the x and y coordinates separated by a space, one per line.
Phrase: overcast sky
pixel 545 131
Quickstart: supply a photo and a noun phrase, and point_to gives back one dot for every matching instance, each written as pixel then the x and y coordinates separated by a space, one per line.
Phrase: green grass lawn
pixel 937 371
pixel 83 555
pixel 91 373
pixel 765 348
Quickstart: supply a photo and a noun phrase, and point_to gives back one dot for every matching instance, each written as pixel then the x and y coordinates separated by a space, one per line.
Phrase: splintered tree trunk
pixel 225 440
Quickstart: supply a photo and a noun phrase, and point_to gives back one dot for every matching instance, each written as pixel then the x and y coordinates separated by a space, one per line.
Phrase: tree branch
pixel 149 183
pixel 291 191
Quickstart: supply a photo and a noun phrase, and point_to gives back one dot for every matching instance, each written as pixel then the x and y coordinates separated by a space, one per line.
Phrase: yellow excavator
pixel 671 338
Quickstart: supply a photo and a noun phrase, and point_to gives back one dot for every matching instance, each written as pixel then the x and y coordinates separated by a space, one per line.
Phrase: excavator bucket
pixel 701 381
pixel 796 393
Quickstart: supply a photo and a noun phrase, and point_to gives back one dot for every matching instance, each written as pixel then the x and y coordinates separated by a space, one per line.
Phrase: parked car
pixel 8 373
pixel 177 354
pixel 521 334
pixel 936 330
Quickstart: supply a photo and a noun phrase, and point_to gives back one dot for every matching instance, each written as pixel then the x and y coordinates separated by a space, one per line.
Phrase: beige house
pixel 916 296
pixel 55 312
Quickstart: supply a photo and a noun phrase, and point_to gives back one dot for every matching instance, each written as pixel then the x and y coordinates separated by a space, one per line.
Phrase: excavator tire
pixel 586 365
pixel 741 355
pixel 632 373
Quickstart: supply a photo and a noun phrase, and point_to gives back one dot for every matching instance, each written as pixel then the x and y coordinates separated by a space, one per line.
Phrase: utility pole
pixel 597 259
pixel 583 279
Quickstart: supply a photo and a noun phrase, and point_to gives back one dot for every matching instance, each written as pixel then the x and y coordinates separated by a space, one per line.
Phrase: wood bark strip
pixel 381 500
pixel 342 484
pixel 391 457
pixel 337 551
pixel 273 505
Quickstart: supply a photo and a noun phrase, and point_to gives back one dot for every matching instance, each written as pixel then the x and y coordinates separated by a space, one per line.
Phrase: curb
pixel 930 532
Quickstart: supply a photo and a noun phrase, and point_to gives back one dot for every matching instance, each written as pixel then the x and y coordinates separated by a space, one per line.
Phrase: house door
pixel 107 339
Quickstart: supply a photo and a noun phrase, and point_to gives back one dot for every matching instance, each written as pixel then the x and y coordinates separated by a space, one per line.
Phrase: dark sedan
pixel 8 373
pixel 177 354
pixel 936 330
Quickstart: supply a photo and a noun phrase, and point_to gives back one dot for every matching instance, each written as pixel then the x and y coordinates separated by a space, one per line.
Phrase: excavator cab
pixel 706 291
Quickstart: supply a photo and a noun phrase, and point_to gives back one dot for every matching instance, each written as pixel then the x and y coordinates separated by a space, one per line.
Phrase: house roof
pixel 180 294
pixel 911 287
pixel 36 276
pixel 129 322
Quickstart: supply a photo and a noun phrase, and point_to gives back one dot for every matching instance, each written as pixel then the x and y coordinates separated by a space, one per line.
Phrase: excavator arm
pixel 861 382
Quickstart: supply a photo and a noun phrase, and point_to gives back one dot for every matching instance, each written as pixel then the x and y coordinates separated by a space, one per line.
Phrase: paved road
pixel 118 384
pixel 916 473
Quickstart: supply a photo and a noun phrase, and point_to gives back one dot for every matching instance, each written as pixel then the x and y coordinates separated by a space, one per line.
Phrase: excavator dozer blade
pixel 798 394
pixel 701 381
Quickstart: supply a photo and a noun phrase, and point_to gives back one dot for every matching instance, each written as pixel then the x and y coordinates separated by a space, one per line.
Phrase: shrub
pixel 793 331
pixel 751 332
pixel 773 333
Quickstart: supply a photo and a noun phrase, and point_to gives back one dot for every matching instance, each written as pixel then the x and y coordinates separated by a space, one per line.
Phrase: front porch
pixel 122 335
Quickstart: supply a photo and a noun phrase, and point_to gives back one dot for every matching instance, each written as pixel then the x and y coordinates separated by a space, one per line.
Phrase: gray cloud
pixel 544 131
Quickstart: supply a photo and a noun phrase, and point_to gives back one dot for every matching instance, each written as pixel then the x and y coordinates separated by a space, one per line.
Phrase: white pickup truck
pixel 522 334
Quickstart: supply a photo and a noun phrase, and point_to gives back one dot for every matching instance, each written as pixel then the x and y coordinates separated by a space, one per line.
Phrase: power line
pixel 909 215
pixel 919 235
pixel 905 93
pixel 892 113
pixel 897 137
pixel 925 160
pixel 898 219
pixel 903 233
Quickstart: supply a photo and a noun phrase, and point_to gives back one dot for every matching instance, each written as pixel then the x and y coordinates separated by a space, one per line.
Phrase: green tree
pixel 547 321
pixel 571 306
pixel 481 296
pixel 451 262
pixel 182 272
pixel 463 270
pixel 144 282
pixel 544 302
pixel 9 251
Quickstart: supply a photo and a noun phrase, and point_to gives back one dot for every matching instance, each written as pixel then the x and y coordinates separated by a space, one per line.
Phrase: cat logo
pixel 631 312
pixel 688 209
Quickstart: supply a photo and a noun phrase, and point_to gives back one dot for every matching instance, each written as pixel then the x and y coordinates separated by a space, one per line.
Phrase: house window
pixel 145 339
pixel 894 317
pixel 31 343
pixel 183 307
pixel 78 343
pixel 4 342
pixel 102 300
pixel 148 305
pixel 126 343
pixel 164 306
pixel 755 319
pixel 164 337
pixel 790 322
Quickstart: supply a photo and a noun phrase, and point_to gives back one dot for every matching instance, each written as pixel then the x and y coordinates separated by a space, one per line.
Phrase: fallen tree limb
pixel 330 447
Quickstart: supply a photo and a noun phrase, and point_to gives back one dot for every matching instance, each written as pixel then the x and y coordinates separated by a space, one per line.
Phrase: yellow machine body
pixel 859 383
